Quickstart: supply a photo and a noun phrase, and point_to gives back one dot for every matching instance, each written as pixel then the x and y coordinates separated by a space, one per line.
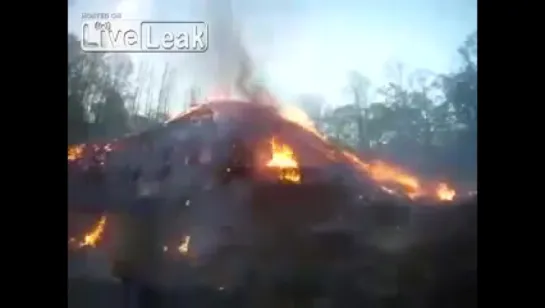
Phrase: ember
pixel 184 247
pixel 75 152
pixel 92 238
pixel 445 193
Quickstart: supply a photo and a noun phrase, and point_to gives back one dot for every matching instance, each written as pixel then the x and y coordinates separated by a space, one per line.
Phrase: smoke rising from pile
pixel 228 66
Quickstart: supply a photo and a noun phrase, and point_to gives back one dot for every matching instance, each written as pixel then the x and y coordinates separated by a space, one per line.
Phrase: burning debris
pixel 184 246
pixel 445 193
pixel 93 237
pixel 96 152
pixel 75 152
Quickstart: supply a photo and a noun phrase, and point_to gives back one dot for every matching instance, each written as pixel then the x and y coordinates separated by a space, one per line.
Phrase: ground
pixel 437 271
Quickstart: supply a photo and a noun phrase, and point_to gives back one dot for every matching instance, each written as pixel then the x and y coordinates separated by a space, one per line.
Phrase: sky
pixel 310 46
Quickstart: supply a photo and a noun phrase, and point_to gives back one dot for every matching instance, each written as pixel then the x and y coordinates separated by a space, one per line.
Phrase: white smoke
pixel 227 65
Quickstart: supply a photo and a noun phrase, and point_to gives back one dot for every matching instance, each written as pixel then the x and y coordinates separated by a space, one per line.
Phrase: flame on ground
pixel 284 160
pixel 75 152
pixel 386 174
pixel 92 238
pixel 445 193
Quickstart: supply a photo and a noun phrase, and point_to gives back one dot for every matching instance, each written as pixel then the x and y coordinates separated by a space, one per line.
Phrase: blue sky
pixel 309 46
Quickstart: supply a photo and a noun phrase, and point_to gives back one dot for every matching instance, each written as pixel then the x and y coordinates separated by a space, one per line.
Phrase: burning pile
pixel 293 125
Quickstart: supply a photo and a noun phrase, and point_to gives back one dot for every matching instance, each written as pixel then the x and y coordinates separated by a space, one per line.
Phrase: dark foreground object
pixel 91 294
pixel 83 293
pixel 364 267
pixel 439 271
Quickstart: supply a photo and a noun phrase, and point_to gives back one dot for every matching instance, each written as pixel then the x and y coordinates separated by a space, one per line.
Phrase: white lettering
pixel 149 44
pixel 182 40
pixel 168 40
pixel 86 37
pixel 131 38
pixel 198 38
pixel 114 39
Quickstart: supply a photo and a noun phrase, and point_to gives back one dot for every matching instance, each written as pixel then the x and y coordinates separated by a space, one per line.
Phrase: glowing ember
pixel 283 159
pixel 91 239
pixel 75 152
pixel 445 193
pixel 184 247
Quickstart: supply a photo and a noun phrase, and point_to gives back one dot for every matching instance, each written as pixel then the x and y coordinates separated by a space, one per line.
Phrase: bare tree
pixel 148 88
pixel 164 93
pixel 140 82
pixel 359 86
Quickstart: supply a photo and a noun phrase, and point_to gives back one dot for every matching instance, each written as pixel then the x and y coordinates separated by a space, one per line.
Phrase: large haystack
pixel 209 170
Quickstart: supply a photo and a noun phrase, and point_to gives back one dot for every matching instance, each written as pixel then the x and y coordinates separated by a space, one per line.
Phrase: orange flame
pixel 91 239
pixel 445 193
pixel 75 152
pixel 299 117
pixel 283 159
pixel 380 171
pixel 386 174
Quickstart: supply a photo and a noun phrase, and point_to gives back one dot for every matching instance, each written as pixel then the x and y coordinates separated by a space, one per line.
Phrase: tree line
pixel 427 122
pixel 106 101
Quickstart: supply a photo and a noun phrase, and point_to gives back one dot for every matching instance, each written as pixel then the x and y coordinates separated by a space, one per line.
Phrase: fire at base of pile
pixel 293 233
pixel 272 205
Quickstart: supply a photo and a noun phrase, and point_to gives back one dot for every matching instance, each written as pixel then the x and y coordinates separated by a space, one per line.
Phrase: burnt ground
pixel 377 255
pixel 437 268
pixel 89 293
